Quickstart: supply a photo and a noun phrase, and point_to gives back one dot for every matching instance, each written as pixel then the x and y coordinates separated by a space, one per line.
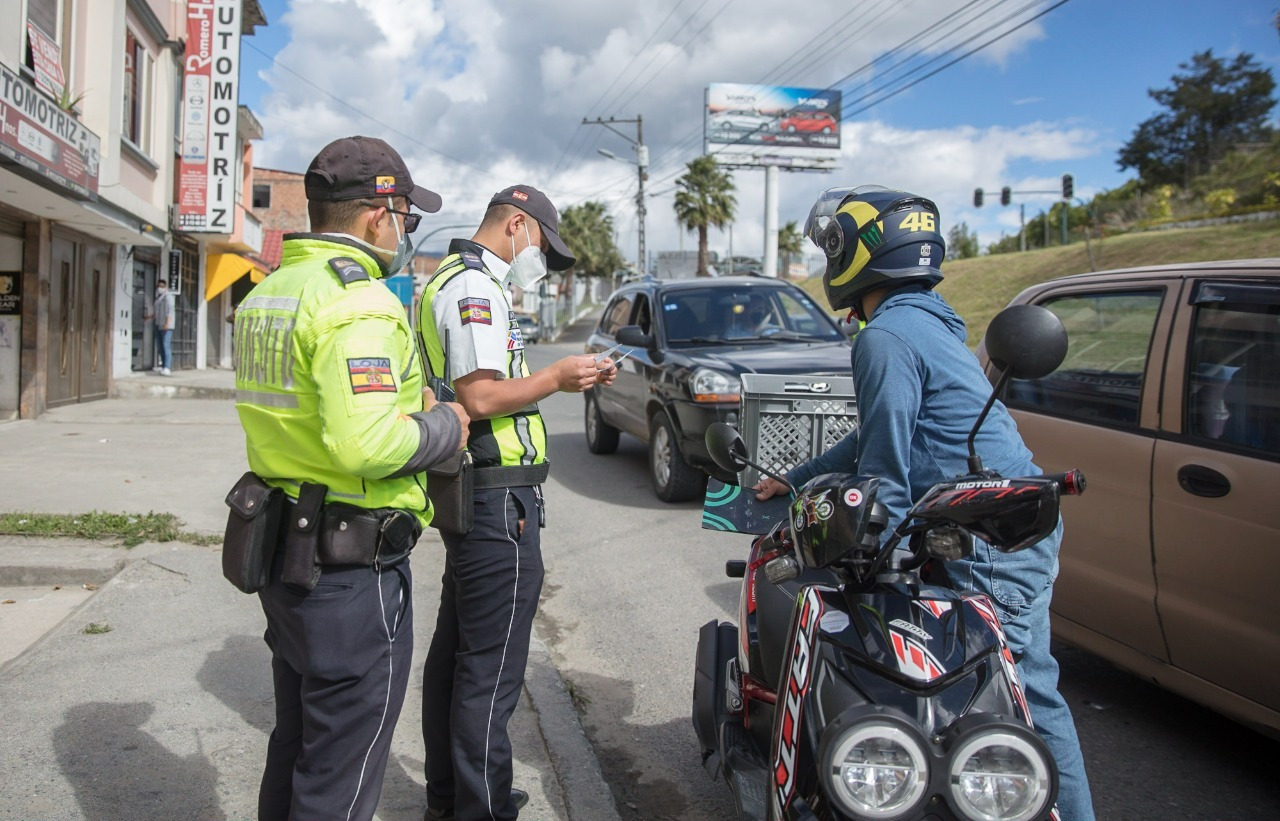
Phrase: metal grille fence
pixel 788 419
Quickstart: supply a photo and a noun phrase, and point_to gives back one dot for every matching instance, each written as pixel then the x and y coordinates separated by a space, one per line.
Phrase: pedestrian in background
pixel 493 574
pixel 162 316
pixel 329 390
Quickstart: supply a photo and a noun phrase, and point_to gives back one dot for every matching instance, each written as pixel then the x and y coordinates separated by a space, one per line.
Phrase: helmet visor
pixel 822 216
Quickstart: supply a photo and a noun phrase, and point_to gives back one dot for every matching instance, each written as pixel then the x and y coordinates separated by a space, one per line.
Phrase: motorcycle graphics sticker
pixel 799 677
pixel 811 509
pixel 914 659
pixel 982 605
pixel 934 606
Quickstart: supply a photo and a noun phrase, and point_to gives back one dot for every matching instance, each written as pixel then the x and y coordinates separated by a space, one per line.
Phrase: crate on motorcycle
pixel 788 419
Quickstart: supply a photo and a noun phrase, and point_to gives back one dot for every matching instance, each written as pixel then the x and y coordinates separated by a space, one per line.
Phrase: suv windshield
pixel 743 316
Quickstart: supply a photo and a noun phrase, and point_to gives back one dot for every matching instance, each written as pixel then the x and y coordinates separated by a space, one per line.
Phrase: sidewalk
pixel 166 714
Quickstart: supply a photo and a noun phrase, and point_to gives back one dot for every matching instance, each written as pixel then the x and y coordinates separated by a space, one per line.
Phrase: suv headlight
pixel 877 769
pixel 999 775
pixel 710 385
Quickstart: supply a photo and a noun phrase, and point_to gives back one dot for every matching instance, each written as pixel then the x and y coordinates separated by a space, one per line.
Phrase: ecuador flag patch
pixel 370 375
pixel 473 309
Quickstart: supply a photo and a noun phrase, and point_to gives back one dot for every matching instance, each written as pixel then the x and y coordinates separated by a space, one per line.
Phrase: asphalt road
pixel 631 579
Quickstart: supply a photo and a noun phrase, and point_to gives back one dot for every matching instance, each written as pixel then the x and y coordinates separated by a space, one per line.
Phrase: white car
pixel 740 119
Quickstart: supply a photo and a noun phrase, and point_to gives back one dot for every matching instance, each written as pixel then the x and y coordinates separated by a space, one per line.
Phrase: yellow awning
pixel 222 270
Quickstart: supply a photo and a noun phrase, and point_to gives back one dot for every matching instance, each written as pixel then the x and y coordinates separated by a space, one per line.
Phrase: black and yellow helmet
pixel 874 236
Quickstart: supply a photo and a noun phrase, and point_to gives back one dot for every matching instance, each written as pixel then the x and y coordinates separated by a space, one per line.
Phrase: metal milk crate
pixel 788 419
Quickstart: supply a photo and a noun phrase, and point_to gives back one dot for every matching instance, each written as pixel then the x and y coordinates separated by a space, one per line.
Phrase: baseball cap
pixel 535 203
pixel 353 168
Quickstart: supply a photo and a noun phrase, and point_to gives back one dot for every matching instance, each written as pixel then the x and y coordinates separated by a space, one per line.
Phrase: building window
pixel 261 195
pixel 139 70
pixel 53 23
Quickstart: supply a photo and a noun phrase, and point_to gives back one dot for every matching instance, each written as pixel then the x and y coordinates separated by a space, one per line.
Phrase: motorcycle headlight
pixel 999 775
pixel 877 770
pixel 710 385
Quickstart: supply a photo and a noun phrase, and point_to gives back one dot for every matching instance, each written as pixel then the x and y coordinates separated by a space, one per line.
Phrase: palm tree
pixel 705 199
pixel 790 243
pixel 588 231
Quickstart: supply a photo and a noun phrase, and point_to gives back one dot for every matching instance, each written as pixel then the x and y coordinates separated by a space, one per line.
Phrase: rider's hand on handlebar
pixel 767 488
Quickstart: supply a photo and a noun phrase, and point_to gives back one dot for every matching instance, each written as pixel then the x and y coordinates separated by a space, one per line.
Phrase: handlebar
pixel 1070 482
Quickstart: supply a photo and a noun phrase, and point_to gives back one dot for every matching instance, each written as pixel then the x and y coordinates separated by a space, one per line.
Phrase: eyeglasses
pixel 411 220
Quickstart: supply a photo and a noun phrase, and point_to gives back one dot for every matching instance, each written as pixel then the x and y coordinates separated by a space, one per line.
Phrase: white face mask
pixel 528 266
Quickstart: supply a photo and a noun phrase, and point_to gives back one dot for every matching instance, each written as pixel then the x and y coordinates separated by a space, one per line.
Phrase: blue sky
pixel 479 94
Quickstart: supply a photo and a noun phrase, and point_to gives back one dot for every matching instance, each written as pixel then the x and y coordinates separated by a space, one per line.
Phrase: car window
pixel 642 315
pixel 1101 379
pixel 616 315
pixel 736 314
pixel 804 316
pixel 1232 392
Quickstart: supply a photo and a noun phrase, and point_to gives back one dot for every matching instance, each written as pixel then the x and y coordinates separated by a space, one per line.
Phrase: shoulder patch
pixel 474 309
pixel 471 260
pixel 370 375
pixel 348 270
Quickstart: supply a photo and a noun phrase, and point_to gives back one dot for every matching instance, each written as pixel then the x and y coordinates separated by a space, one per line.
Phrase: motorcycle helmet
pixel 873 236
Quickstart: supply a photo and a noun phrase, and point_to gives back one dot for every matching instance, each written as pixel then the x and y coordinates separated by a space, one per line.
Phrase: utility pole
pixel 642 167
pixel 1022 226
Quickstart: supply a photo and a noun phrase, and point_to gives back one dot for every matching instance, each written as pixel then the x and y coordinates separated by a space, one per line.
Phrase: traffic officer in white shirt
pixel 493 573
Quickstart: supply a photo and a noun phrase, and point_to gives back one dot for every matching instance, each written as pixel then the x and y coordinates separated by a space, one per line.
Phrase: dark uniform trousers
pixel 475 667
pixel 340 661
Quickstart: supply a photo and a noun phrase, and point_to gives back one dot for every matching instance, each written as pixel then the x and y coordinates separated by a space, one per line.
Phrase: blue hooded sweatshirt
pixel 919 390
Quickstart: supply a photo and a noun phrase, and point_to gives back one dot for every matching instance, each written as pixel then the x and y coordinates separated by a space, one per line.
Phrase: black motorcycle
pixel 851 687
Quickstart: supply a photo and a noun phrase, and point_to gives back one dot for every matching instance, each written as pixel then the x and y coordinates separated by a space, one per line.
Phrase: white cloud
pixel 479 94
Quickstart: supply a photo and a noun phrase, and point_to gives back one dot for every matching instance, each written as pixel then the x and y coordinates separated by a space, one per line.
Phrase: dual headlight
pixel 878 766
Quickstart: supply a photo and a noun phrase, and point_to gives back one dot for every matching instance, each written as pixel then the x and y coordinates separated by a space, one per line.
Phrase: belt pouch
pixel 451 489
pixel 398 535
pixel 349 535
pixel 303 537
pixel 252 534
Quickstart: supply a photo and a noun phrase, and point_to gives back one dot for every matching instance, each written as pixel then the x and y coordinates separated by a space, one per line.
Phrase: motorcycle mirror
pixel 726 447
pixel 1026 340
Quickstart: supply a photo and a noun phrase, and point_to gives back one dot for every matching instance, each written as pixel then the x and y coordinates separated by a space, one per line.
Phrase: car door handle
pixel 1202 481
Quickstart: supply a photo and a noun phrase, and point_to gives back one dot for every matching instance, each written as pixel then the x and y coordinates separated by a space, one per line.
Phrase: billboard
pixel 37 135
pixel 210 100
pixel 772 125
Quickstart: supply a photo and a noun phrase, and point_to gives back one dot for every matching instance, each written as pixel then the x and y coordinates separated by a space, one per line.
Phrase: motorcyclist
pixel 920 391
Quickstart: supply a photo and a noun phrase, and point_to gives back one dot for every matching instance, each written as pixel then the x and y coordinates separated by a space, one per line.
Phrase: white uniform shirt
pixel 480 322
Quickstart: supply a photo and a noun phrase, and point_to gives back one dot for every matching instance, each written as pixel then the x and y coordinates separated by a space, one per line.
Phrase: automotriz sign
pixel 210 94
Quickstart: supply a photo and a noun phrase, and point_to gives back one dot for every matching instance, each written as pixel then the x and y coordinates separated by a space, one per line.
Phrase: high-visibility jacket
pixel 329 383
pixel 519 438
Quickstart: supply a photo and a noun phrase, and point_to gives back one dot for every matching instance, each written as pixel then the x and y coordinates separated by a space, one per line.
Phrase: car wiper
pixel 795 335
pixel 700 339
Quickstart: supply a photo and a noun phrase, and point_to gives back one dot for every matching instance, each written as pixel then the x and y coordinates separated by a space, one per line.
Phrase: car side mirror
pixel 632 336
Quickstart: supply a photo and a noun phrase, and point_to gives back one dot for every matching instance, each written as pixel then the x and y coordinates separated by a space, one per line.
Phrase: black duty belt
pixel 351 535
pixel 512 475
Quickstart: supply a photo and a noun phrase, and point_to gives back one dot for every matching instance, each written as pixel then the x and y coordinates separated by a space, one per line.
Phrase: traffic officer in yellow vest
pixel 493 574
pixel 329 389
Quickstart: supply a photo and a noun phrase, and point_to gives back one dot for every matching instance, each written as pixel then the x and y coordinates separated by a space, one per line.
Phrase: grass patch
pixel 130 528
pixel 96 628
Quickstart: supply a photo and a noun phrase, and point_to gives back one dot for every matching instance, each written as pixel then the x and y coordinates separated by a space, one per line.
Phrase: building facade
pixel 93 166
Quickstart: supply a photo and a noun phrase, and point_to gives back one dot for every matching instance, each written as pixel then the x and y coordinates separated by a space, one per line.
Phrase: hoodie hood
pixel 926 300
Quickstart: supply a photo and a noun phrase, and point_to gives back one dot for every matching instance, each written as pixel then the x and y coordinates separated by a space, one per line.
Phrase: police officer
pixel 329 390
pixel 493 574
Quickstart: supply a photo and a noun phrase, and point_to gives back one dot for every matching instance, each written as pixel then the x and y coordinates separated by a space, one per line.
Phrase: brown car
pixel 1169 401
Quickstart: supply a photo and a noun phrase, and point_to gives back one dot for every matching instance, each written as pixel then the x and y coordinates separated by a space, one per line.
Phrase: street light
pixel 642 165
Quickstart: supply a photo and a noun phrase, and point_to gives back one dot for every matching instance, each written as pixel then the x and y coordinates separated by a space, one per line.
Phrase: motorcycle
pixel 851 687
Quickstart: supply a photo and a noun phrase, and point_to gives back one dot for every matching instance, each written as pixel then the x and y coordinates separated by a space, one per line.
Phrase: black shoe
pixel 518 797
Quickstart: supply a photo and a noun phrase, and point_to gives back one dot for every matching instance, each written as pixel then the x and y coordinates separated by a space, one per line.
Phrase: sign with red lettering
pixel 47 58
pixel 210 101
pixel 44 141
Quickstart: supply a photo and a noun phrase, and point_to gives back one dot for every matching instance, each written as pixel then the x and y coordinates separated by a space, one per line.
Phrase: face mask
pixel 400 256
pixel 527 267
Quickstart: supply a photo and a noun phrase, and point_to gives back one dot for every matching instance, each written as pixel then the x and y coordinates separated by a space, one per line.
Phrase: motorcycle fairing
pixel 792 760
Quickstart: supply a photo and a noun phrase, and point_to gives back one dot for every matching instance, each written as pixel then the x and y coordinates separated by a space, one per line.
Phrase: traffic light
pixel 1068 187
pixel 977 198
pixel 1006 195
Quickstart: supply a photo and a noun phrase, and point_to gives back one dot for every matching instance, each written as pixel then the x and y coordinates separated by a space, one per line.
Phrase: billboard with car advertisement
pixel 772 125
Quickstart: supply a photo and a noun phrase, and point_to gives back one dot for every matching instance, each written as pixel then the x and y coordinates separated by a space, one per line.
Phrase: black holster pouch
pixel 354 535
pixel 252 534
pixel 302 538
pixel 451 489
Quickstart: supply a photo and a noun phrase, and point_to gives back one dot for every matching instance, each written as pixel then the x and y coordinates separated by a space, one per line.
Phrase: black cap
pixel 354 168
pixel 535 203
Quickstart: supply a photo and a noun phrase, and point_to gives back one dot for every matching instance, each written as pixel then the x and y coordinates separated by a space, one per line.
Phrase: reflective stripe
pixel 271 303
pixel 267 400
pixel 295 483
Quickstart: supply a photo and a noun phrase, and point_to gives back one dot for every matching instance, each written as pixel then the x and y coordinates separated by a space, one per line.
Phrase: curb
pixel 586 795
pixel 143 388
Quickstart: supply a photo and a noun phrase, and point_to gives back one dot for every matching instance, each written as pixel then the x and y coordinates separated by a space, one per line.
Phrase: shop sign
pixel 210 104
pixel 175 271
pixel 47 57
pixel 45 140
pixel 10 293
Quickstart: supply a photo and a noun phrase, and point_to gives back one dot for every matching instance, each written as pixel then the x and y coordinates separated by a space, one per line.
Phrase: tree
pixel 1209 109
pixel 961 242
pixel 588 231
pixel 705 198
pixel 790 243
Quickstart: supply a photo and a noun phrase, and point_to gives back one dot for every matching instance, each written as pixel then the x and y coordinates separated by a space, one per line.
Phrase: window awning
pixel 222 270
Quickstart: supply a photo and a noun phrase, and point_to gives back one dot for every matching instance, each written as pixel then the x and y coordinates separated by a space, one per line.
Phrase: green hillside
pixel 979 287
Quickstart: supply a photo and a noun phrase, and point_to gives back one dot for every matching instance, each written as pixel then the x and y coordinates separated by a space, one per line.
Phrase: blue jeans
pixel 165 338
pixel 1021 586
